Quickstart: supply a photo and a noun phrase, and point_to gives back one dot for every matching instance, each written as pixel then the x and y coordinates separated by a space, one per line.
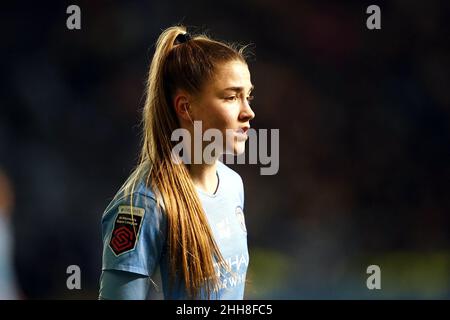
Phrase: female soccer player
pixel 186 218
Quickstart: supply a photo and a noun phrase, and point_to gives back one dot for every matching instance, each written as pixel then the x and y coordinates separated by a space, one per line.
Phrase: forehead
pixel 232 74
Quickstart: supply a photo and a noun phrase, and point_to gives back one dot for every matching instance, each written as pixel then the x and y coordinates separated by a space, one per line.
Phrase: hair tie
pixel 183 37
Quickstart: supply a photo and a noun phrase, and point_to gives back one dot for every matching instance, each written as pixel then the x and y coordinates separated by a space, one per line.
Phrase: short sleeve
pixel 134 235
pixel 119 285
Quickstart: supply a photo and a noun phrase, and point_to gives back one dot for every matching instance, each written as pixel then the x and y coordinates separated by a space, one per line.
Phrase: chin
pixel 239 148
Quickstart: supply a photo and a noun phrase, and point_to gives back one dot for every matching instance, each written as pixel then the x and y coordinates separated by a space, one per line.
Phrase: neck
pixel 204 176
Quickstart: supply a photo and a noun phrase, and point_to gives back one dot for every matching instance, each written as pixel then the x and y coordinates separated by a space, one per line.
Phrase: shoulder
pixel 137 204
pixel 140 188
pixel 136 190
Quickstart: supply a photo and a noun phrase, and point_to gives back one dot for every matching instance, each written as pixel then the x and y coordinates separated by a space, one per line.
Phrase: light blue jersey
pixel 142 254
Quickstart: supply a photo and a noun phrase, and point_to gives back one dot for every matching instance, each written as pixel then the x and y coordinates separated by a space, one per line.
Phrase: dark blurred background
pixel 364 140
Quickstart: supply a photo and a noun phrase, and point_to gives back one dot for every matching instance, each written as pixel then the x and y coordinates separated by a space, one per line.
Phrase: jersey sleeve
pixel 134 235
pixel 119 285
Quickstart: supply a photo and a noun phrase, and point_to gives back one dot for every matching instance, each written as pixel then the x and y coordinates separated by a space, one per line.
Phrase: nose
pixel 247 113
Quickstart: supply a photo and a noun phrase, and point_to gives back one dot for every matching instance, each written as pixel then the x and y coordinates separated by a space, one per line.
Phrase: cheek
pixel 220 117
pixel 225 120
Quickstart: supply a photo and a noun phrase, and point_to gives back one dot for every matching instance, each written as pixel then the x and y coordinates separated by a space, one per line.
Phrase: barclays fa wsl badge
pixel 126 229
pixel 241 219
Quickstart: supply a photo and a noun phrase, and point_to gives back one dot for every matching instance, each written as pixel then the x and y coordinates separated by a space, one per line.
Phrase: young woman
pixel 184 217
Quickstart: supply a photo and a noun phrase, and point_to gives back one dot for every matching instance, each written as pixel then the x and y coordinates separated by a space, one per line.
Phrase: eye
pixel 250 98
pixel 232 98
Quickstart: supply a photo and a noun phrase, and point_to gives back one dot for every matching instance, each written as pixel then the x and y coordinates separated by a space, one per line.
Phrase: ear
pixel 182 105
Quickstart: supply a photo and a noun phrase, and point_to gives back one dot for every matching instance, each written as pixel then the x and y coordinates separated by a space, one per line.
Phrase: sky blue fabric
pixel 224 211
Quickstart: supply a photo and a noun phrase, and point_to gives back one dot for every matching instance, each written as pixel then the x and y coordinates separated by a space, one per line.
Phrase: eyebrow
pixel 239 89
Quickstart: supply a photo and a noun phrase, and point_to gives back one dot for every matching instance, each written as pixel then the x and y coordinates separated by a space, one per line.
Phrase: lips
pixel 243 129
pixel 242 133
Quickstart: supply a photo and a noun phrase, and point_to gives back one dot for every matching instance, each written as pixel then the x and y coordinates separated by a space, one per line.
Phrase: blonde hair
pixel 191 246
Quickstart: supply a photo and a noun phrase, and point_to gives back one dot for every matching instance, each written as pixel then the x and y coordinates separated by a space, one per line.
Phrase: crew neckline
pixel 216 192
